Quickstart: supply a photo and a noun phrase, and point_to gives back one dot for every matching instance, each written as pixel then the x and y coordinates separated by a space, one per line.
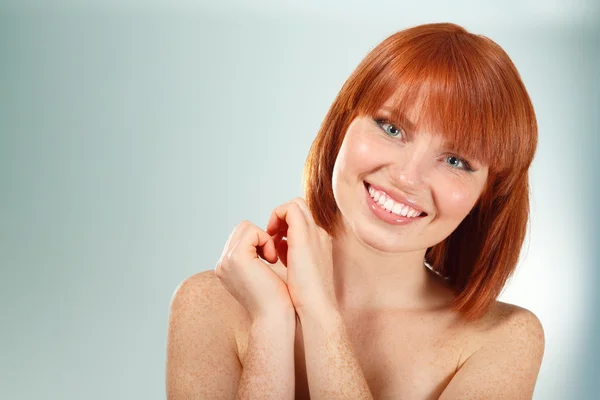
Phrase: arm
pixel 333 372
pixel 269 363
pixel 332 368
pixel 507 366
pixel 202 359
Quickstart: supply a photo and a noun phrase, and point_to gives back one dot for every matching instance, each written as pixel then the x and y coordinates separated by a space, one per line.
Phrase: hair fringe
pixel 473 93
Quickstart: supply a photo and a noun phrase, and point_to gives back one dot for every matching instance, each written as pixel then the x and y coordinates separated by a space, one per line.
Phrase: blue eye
pixel 459 163
pixel 388 128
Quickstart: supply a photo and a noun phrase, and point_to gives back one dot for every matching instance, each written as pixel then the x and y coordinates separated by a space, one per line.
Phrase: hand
pixel 305 249
pixel 257 285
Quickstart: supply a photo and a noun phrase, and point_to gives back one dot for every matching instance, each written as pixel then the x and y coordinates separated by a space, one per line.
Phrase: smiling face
pixel 401 166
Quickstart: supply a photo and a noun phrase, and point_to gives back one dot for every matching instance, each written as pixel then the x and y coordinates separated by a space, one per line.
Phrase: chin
pixel 380 239
pixel 393 244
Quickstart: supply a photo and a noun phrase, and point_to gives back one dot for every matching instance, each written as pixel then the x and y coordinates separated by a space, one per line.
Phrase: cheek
pixel 363 148
pixel 455 198
pixel 359 154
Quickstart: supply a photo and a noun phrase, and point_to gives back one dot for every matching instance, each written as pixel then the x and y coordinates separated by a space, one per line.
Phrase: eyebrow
pixel 410 127
pixel 404 122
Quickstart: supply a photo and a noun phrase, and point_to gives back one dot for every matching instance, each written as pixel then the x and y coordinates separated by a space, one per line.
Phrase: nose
pixel 409 171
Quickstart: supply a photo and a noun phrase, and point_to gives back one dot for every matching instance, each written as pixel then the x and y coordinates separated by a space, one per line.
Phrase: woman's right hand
pixel 257 285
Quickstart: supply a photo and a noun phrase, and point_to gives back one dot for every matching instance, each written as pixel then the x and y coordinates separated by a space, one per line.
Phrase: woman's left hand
pixel 307 255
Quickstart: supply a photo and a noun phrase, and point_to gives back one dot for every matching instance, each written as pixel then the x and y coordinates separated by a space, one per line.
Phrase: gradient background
pixel 135 136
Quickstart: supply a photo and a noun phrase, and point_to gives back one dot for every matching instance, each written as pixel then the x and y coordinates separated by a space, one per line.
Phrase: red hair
pixel 471 93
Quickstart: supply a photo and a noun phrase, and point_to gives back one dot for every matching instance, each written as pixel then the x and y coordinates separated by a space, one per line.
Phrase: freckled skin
pixel 216 352
pixel 204 360
pixel 418 168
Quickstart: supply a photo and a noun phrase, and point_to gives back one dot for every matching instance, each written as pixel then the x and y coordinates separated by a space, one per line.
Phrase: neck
pixel 367 279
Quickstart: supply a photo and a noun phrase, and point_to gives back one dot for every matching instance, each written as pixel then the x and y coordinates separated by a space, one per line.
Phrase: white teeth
pixel 391 206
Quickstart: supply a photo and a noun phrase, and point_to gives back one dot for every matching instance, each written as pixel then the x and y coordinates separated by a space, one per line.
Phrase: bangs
pixel 457 90
pixel 442 79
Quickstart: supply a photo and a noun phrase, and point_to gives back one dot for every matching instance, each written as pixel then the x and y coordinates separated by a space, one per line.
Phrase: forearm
pixel 268 367
pixel 332 368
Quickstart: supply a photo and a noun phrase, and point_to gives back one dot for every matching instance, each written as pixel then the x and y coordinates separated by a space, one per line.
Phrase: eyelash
pixel 383 121
pixel 465 163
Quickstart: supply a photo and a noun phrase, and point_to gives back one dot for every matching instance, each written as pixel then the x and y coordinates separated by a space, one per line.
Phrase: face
pixel 385 174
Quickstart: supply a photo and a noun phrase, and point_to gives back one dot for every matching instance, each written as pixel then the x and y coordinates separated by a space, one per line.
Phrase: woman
pixel 383 282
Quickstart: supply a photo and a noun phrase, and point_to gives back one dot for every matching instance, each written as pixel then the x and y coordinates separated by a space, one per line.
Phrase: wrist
pixel 278 320
pixel 325 317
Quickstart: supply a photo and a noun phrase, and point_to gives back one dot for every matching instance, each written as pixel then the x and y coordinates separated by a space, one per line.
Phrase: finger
pixel 304 208
pixel 267 252
pixel 290 214
pixel 309 216
pixel 257 242
pixel 233 238
pixel 264 243
pixel 282 250
pixel 276 226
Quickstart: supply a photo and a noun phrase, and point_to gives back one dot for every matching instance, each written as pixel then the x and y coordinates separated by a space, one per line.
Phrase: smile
pixel 389 210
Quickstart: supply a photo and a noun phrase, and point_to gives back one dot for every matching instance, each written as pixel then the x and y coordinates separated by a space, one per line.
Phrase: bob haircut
pixel 471 93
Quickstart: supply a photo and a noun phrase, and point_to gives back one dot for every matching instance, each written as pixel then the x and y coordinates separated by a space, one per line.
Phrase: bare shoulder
pixel 202 351
pixel 205 291
pixel 203 286
pixel 521 328
pixel 510 347
pixel 504 324
pixel 507 321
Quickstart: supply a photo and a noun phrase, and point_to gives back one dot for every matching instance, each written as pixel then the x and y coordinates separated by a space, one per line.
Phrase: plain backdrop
pixel 136 135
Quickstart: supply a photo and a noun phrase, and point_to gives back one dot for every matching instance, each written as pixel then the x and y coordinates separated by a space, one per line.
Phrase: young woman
pixel 382 282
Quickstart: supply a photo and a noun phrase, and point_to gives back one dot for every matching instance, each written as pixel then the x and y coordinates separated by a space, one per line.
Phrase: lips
pixel 396 197
pixel 384 215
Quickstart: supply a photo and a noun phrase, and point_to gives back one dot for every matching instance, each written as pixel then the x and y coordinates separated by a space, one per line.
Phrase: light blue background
pixel 135 136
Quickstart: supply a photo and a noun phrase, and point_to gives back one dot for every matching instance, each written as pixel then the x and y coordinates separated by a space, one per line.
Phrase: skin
pixel 362 317
pixel 417 164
